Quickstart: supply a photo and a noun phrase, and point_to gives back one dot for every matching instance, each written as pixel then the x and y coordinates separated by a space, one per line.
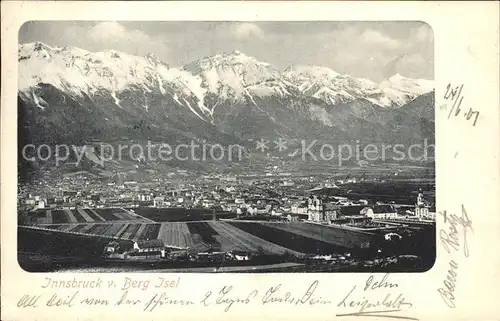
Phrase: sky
pixel 373 50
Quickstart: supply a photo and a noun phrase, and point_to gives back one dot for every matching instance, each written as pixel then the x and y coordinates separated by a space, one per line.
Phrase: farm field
pixel 54 244
pixel 79 215
pixel 219 215
pixel 179 214
pixel 232 238
pixel 264 237
pixel 99 215
pixel 342 238
pixel 114 214
pixel 125 231
pixel 288 239
pixel 400 191
pixel 176 234
pixel 204 236
pixel 168 214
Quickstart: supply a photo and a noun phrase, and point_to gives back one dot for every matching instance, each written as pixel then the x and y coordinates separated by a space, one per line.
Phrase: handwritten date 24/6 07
pixel 454 239
pixel 454 94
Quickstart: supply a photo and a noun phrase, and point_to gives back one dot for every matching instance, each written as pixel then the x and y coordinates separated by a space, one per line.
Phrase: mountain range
pixel 73 96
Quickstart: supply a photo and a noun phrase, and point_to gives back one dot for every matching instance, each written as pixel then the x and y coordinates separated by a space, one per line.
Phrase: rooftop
pixel 145 244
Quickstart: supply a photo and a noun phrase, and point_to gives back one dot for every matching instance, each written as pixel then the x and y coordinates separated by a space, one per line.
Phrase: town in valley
pixel 276 220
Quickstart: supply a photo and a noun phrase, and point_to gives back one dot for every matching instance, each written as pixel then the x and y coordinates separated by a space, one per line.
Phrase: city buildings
pixel 299 199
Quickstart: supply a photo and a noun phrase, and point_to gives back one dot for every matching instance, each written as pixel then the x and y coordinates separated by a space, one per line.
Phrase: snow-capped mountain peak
pixel 420 86
pixel 110 73
pixel 220 97
pixel 332 87
pixel 328 85
pixel 400 89
pixel 231 76
pixel 310 72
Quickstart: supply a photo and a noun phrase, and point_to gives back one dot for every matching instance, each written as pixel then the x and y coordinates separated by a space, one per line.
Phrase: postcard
pixel 233 160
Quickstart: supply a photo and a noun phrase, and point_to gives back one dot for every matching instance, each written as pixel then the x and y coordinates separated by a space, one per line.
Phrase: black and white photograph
pixel 226 146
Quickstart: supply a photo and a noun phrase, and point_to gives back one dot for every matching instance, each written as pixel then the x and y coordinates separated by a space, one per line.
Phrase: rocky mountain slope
pixel 69 95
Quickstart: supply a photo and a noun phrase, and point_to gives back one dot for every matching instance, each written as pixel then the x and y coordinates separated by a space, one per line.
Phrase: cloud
pixel 114 35
pixel 424 34
pixel 248 30
pixel 109 30
pixel 370 36
pixel 414 61
pixel 372 52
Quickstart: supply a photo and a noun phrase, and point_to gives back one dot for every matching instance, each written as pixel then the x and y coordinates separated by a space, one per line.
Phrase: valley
pixel 223 163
